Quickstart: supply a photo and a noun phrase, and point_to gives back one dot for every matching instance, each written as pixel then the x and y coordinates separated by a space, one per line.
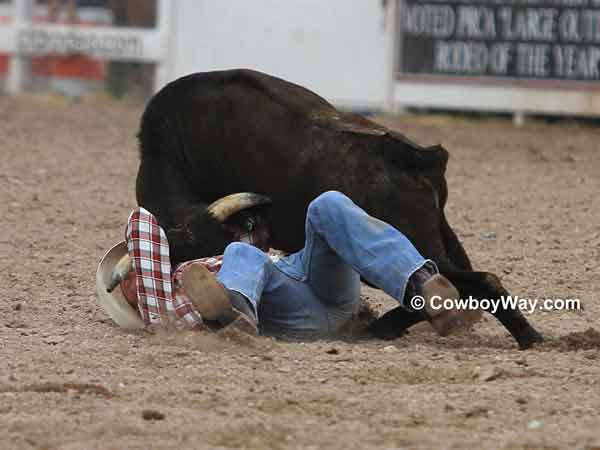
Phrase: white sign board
pixel 338 48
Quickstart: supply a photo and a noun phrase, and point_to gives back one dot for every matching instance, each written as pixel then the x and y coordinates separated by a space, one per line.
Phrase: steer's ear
pixel 179 235
pixel 197 236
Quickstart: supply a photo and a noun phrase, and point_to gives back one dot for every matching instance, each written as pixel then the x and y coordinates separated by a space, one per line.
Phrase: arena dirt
pixel 525 203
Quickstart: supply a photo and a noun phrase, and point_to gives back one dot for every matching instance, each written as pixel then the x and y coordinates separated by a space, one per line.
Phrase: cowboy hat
pixel 114 303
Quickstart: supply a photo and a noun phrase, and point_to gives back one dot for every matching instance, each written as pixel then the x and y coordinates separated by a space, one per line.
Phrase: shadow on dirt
pixel 580 340
pixel 356 332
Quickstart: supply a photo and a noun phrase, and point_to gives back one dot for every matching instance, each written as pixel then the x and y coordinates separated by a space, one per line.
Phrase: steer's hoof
pixel 528 341
pixel 394 323
pixel 385 329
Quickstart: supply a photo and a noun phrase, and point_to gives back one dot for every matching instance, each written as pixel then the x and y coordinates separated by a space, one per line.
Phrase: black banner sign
pixel 548 39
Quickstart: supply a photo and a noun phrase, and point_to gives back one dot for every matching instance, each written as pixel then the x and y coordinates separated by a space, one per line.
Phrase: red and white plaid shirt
pixel 154 284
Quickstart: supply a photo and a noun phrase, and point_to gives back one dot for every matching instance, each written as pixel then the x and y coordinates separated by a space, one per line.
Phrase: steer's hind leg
pixel 487 285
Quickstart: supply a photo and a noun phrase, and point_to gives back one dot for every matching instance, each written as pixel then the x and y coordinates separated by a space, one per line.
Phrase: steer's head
pixel 206 231
pixel 236 217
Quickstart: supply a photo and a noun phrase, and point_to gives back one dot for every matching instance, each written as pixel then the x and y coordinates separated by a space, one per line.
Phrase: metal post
pixel 518 119
pixel 165 17
pixel 392 30
pixel 18 69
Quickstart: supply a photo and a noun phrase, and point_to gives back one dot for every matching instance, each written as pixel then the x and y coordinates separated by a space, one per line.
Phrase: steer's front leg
pixel 394 323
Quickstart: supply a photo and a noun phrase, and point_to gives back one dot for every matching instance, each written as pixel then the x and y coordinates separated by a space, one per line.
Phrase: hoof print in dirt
pixel 151 414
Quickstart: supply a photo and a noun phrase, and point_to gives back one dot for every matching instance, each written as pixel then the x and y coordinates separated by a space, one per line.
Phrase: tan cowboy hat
pixel 114 303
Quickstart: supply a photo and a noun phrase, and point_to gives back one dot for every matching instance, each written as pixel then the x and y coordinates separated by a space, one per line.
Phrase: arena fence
pixel 22 39
pixel 517 56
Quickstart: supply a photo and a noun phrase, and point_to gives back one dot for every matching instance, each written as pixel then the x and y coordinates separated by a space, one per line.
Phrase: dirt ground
pixel 524 202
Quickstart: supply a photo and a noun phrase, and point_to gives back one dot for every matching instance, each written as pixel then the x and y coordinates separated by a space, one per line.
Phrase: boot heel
pixel 207 295
pixel 445 321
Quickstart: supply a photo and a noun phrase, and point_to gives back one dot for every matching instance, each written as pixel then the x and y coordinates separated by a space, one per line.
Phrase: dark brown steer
pixel 211 134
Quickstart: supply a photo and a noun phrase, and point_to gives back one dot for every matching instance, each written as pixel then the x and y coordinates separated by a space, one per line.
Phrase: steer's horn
pixel 120 272
pixel 226 207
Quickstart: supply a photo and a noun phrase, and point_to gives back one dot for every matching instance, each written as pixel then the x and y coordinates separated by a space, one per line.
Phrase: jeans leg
pixel 333 280
pixel 377 251
pixel 285 306
pixel 246 269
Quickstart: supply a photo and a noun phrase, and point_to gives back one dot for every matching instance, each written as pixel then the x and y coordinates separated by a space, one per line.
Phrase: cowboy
pixel 306 295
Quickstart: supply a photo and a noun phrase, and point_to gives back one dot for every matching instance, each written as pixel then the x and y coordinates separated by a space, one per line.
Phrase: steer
pixel 211 134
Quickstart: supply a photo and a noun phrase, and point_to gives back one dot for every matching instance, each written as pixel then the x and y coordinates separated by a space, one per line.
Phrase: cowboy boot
pixel 444 321
pixel 218 306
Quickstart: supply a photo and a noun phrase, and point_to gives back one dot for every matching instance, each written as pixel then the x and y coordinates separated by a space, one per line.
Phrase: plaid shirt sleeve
pixel 158 302
pixel 161 298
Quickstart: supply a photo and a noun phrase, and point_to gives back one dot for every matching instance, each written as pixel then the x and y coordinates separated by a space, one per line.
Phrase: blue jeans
pixel 314 292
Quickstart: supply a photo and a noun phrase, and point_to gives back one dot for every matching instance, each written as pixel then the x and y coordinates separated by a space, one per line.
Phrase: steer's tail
pixel 454 249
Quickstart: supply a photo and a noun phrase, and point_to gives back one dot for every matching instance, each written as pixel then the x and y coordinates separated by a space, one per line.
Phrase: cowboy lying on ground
pixel 306 295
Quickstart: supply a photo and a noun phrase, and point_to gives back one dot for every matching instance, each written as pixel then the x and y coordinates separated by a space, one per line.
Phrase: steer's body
pixel 211 134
